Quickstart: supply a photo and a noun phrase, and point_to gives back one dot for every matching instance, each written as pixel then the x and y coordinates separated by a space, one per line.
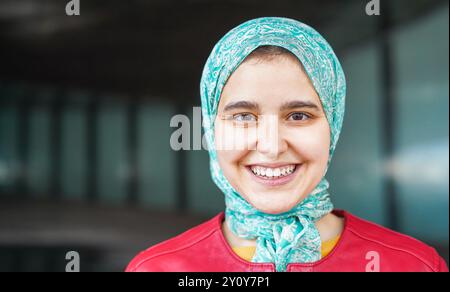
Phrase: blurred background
pixel 86 102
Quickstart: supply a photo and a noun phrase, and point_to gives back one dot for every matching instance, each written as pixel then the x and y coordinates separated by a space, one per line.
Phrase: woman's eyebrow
pixel 298 104
pixel 242 104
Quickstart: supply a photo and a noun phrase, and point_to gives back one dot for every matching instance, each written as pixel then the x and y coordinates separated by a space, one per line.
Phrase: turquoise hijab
pixel 291 237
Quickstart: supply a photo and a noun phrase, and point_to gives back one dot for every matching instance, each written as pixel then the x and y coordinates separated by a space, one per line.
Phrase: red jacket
pixel 363 246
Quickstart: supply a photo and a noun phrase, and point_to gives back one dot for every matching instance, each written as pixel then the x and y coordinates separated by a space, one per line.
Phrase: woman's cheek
pixel 311 143
pixel 228 158
pixel 230 151
pixel 229 162
pixel 235 139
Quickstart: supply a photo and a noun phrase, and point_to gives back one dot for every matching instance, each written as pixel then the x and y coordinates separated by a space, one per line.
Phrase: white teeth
pixel 277 172
pixel 273 172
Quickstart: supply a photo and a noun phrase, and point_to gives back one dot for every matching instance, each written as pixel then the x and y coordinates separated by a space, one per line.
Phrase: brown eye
pixel 299 117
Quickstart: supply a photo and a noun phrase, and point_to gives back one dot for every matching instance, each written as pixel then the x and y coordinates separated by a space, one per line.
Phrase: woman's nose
pixel 270 140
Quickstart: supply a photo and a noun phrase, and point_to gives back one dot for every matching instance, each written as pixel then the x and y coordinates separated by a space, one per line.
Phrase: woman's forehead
pixel 272 83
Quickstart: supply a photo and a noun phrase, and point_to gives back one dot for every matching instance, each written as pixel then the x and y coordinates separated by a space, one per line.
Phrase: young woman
pixel 273 95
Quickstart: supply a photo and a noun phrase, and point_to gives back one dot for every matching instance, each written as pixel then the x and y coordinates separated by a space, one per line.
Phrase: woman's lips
pixel 278 180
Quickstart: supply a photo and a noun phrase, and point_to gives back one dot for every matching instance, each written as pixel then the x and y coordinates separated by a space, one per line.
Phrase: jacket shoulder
pixel 155 257
pixel 399 246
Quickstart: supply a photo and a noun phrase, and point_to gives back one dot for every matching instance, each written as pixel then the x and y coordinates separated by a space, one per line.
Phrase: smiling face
pixel 275 132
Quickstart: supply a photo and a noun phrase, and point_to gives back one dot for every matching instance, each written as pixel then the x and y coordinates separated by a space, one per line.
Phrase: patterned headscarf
pixel 291 237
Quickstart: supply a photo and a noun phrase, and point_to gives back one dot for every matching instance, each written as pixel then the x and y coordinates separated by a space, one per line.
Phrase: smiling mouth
pixel 273 173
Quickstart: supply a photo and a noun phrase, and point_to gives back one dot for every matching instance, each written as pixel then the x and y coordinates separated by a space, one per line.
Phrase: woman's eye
pixel 299 117
pixel 244 117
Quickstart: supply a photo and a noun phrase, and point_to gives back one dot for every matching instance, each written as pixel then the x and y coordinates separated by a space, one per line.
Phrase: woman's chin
pixel 271 208
pixel 273 211
pixel 274 202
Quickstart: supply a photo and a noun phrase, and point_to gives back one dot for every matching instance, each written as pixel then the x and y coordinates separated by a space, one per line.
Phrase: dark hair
pixel 268 53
